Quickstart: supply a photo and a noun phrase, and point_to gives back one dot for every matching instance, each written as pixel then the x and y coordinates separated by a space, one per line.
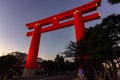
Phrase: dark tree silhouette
pixel 100 44
pixel 7 65
pixel 114 1
pixel 60 63
pixel 7 62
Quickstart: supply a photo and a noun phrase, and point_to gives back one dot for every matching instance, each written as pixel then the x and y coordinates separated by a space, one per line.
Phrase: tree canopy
pixel 114 1
pixel 7 62
pixel 100 42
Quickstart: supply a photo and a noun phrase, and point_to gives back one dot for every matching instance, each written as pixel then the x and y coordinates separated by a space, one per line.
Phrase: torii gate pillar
pixel 79 28
pixel 79 25
pixel 30 65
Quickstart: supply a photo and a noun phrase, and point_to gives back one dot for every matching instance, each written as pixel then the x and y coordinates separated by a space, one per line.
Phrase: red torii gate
pixel 55 22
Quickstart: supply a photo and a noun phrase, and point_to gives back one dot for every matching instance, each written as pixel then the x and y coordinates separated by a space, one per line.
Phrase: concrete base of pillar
pixel 28 73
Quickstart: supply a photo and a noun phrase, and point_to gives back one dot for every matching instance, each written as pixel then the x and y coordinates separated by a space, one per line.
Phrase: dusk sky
pixel 14 14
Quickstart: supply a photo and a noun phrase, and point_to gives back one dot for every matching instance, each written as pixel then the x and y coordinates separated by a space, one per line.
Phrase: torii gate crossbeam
pixel 55 22
pixel 66 24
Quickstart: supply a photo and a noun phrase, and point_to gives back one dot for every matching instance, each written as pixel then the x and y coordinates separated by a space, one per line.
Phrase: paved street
pixel 68 77
pixel 62 77
pixel 59 77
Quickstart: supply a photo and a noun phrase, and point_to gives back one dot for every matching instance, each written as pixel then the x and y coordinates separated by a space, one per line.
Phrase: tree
pixel 6 65
pixel 100 43
pixel 60 63
pixel 7 62
pixel 114 1
pixel 111 24
pixel 49 67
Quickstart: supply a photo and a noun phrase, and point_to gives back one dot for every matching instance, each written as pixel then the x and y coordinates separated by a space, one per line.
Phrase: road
pixel 68 77
pixel 61 77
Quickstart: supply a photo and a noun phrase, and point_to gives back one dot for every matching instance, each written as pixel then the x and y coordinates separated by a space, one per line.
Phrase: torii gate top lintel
pixel 55 19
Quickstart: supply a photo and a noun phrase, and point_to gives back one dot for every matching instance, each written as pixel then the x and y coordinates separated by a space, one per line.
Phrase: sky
pixel 14 14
